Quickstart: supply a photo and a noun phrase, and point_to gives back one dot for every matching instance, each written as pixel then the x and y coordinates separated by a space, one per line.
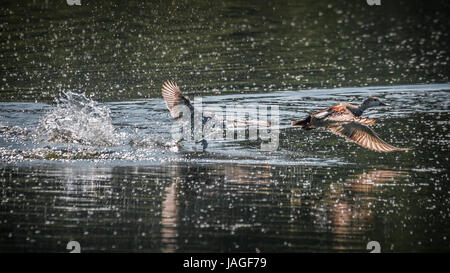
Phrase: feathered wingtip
pixel 366 121
pixel 173 97
pixel 364 136
pixel 170 92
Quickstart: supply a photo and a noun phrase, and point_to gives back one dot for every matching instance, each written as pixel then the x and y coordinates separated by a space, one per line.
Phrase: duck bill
pixel 384 104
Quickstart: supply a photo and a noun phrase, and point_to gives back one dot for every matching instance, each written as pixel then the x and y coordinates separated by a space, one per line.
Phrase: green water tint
pixel 316 192
pixel 125 50
pixel 231 208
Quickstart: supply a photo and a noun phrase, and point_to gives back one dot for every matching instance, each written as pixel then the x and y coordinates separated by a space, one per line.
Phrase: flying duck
pixel 175 101
pixel 344 120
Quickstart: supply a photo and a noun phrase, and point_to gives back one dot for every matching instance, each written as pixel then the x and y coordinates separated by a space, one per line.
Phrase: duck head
pixel 372 102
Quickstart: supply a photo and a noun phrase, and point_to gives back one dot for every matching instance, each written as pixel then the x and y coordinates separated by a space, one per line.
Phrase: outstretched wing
pixel 334 113
pixel 362 135
pixel 172 96
pixel 340 113
pixel 365 121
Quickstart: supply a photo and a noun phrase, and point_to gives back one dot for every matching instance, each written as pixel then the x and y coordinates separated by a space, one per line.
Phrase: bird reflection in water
pixel 352 206
pixel 344 211
pixel 169 221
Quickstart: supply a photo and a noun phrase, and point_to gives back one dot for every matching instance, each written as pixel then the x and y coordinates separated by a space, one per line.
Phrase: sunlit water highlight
pixel 82 170
pixel 77 127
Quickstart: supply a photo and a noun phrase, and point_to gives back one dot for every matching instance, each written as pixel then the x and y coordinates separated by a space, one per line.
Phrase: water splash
pixel 80 129
pixel 78 119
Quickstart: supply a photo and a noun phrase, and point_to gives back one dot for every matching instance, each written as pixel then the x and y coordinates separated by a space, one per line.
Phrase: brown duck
pixel 344 120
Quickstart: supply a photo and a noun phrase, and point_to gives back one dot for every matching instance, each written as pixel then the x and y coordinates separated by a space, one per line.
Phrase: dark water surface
pixel 127 190
pixel 102 169
pixel 118 50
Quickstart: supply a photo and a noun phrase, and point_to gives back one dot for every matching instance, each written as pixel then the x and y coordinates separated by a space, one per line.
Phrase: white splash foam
pixel 78 119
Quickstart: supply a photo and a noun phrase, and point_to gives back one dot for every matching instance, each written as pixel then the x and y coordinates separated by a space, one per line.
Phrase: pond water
pixel 117 185
pixel 86 143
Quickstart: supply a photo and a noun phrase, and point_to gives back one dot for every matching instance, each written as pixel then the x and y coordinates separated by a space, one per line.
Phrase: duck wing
pixel 340 113
pixel 337 113
pixel 365 121
pixel 173 98
pixel 362 135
